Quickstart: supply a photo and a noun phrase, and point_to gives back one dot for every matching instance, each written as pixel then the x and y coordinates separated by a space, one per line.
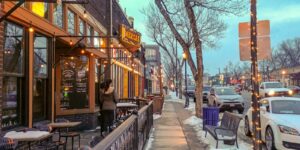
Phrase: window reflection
pixel 13 49
pixel 40 67
pixel 81 27
pixel 40 56
pixel 58 15
pixel 71 22
pixel 12 77
pixel 89 33
pixel 96 40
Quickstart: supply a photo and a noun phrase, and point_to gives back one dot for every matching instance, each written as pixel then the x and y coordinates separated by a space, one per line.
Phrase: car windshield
pixel 286 107
pixel 206 88
pixel 225 91
pixel 191 88
pixel 274 85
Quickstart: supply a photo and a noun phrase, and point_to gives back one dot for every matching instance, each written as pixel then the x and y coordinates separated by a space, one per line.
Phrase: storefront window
pixel 13 49
pixel 97 74
pixel 40 56
pixel 71 22
pixel 89 32
pixel 74 82
pixel 58 15
pixel 40 77
pixel 12 76
pixel 81 27
pixel 96 39
pixel 41 9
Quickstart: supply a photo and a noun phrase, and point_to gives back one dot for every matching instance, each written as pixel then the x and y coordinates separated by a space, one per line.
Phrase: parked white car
pixel 226 99
pixel 269 89
pixel 280 122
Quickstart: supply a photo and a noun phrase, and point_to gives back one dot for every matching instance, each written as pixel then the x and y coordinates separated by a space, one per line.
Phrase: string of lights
pixel 256 134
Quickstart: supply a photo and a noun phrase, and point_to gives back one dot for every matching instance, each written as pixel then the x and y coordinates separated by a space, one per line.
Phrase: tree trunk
pixel 199 59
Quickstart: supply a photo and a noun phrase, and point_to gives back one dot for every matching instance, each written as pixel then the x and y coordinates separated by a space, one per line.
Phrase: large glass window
pixel 89 32
pixel 74 82
pixel 13 75
pixel 96 39
pixel 58 15
pixel 81 27
pixel 97 75
pixel 71 22
pixel 40 77
pixel 41 9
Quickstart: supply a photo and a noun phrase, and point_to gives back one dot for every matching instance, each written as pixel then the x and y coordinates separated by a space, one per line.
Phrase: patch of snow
pixel 149 143
pixel 196 123
pixel 156 116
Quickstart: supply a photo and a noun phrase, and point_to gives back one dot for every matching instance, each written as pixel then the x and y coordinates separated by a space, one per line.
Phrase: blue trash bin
pixel 210 116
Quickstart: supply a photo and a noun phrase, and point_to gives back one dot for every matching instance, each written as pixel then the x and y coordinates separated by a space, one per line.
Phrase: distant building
pixel 153 69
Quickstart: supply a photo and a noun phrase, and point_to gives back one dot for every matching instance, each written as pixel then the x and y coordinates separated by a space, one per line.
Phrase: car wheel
pixel 270 144
pixel 247 127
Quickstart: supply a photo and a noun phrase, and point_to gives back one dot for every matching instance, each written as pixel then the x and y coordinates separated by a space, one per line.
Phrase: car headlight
pixel 271 93
pixel 290 92
pixel 288 130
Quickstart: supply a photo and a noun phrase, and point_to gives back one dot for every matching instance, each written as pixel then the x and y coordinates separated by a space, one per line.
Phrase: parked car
pixel 205 92
pixel 295 89
pixel 226 99
pixel 280 118
pixel 238 88
pixel 269 89
pixel 190 91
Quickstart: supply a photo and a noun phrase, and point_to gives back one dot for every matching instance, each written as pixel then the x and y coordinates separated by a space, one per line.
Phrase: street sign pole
pixel 255 91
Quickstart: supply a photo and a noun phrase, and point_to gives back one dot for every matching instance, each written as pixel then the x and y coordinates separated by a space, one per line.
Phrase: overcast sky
pixel 284 16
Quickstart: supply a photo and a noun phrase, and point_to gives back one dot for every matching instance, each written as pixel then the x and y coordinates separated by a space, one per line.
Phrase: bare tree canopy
pixel 202 23
pixel 286 55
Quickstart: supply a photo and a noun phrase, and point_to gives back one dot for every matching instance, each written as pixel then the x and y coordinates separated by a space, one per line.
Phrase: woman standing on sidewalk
pixel 108 105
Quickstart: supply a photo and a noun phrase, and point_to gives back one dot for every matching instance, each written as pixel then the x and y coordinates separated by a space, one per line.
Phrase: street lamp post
pixel 176 80
pixel 185 75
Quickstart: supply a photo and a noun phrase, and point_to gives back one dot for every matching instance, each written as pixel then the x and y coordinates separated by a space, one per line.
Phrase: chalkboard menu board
pixel 74 82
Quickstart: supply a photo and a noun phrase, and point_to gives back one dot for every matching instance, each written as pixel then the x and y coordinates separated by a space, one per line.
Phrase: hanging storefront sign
pixel 130 38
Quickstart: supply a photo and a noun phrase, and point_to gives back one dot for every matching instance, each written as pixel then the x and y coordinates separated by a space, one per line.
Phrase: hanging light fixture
pixel 82 51
pixel 84 14
pixel 71 42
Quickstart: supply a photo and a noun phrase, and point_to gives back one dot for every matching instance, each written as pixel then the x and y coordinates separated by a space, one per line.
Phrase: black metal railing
pixel 132 134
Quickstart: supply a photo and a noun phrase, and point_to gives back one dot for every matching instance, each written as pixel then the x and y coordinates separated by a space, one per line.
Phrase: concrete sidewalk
pixel 168 132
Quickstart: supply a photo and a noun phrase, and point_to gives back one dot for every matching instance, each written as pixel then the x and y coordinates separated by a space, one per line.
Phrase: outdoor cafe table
pixel 124 108
pixel 28 136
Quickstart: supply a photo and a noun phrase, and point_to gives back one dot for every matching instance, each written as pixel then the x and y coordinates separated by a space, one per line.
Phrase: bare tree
pixel 286 55
pixel 171 10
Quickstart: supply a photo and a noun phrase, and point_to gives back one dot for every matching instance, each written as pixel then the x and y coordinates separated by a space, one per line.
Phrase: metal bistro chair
pixel 67 134
pixel 8 144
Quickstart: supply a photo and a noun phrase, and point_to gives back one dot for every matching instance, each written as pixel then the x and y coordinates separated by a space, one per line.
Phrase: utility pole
pixel 108 42
pixel 257 143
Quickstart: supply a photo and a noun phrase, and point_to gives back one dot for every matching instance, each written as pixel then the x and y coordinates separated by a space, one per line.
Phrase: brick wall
pixel 1 63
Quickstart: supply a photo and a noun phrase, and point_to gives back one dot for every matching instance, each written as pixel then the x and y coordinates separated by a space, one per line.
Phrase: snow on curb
pixel 149 143
pixel 156 116
pixel 196 123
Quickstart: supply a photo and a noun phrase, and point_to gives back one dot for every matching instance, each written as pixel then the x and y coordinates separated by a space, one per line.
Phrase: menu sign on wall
pixel 74 82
